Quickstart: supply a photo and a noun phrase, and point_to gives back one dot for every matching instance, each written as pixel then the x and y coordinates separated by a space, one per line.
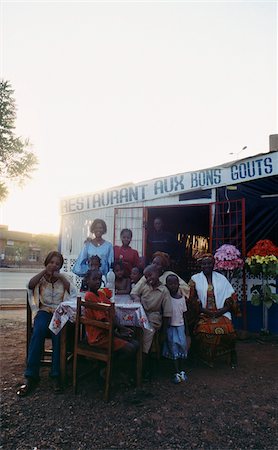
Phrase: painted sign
pixel 244 170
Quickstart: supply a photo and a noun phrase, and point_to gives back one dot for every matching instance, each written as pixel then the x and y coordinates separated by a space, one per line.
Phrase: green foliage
pixel 269 270
pixel 16 160
pixel 263 293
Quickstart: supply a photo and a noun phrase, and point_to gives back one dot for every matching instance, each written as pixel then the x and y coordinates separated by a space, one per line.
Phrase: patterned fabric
pixel 47 297
pixel 213 336
pixel 222 289
pixel 51 294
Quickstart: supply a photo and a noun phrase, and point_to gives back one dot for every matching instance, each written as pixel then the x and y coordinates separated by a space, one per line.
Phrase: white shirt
pixel 178 308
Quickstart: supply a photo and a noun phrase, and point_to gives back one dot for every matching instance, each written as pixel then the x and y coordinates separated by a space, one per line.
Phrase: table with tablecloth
pixel 127 313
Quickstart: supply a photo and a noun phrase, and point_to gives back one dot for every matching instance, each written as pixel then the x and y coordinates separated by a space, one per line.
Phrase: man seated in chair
pixel 49 288
pixel 156 301
pixel 123 345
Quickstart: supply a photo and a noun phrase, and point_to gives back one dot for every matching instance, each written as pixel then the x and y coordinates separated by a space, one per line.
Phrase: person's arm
pixel 136 259
pixel 81 264
pixel 137 290
pixel 36 279
pixel 110 256
pixel 221 311
pixel 167 310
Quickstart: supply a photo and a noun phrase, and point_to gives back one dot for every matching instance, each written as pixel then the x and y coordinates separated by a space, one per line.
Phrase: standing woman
pixel 212 299
pixel 96 246
pixel 129 256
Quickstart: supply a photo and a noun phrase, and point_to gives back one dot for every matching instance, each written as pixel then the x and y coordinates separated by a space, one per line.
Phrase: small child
pixel 123 345
pixel 135 275
pixel 94 262
pixel 122 282
pixel 178 340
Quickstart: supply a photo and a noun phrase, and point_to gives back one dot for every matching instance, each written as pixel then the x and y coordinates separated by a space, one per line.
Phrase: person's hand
pixel 125 333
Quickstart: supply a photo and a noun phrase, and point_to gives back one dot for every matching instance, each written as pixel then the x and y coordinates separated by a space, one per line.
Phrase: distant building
pixel 20 249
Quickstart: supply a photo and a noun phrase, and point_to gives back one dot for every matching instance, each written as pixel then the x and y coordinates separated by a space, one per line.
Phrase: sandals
pixel 27 388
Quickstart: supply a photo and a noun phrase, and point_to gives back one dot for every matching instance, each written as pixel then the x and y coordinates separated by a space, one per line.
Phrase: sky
pixel 116 92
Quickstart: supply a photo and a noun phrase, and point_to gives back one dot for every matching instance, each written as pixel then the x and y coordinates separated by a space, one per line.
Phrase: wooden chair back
pixel 82 348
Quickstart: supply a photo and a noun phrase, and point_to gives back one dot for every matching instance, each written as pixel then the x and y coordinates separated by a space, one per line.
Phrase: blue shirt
pixel 104 251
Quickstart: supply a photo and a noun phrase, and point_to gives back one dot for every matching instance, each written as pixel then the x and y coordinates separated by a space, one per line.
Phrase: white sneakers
pixel 183 376
pixel 179 377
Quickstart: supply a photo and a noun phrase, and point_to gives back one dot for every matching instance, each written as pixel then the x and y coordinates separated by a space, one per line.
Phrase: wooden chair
pixel 66 354
pixel 82 348
pixel 47 353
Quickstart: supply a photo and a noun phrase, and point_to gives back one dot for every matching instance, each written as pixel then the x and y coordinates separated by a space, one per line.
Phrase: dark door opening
pixel 189 225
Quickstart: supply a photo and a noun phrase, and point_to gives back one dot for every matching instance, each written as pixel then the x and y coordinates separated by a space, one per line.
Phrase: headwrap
pixel 165 259
pixel 205 255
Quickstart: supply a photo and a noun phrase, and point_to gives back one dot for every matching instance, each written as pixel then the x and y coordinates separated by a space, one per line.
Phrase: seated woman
pixel 211 301
pixel 49 288
pixel 162 261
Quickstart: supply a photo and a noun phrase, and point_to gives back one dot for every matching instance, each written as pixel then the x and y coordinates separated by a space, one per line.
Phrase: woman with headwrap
pixel 212 299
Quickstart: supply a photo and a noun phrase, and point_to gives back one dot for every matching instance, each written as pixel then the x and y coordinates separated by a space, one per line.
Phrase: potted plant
pixel 262 262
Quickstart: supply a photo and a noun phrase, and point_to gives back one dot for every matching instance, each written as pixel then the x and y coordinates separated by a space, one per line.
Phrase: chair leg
pixel 233 360
pixel 107 381
pixel 139 358
pixel 63 354
pixel 74 373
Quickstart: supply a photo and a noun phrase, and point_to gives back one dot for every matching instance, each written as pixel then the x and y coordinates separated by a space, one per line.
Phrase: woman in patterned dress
pixel 211 301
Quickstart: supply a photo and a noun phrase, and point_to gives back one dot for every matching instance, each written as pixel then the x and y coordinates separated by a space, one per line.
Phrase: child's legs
pixel 147 339
pixel 40 330
pixel 128 350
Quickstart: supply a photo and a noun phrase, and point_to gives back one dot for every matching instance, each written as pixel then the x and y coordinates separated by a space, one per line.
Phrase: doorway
pixel 190 227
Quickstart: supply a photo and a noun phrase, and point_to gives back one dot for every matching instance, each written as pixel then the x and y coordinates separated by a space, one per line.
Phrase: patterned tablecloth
pixel 127 313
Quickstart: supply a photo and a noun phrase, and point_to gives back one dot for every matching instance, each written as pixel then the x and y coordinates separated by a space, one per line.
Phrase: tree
pixel 16 160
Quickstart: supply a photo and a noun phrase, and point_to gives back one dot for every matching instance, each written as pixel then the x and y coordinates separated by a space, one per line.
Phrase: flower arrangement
pixel 262 261
pixel 227 257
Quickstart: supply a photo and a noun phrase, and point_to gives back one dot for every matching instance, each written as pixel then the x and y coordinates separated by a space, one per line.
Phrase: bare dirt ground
pixel 217 408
